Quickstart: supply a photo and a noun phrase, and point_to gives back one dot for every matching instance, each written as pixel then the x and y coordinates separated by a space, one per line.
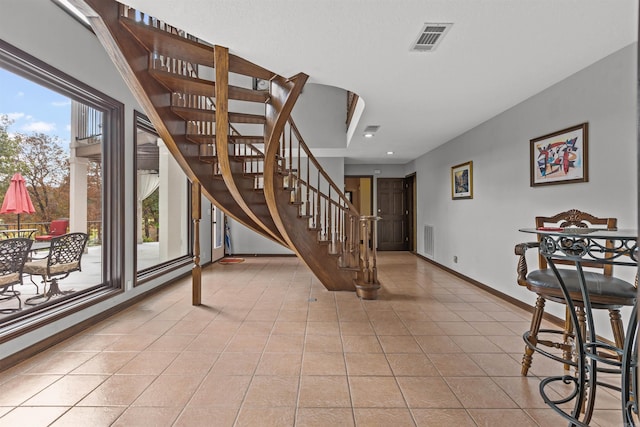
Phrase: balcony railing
pixel 94 229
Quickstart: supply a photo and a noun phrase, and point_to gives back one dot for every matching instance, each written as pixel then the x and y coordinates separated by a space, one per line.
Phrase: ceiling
pixel 497 54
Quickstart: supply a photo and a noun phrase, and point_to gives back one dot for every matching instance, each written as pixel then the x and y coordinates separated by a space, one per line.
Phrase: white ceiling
pixel 497 54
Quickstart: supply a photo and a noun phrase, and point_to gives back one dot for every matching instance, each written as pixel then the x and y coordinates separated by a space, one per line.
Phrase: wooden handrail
pixel 352 101
pixel 307 151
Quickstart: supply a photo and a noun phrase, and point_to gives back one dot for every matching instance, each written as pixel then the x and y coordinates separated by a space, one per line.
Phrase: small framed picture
pixel 462 181
pixel 560 157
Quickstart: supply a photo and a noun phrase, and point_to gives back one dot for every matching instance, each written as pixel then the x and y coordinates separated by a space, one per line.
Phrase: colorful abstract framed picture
pixel 462 181
pixel 560 157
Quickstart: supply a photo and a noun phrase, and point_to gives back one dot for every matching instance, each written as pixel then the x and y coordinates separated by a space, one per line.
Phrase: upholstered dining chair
pixel 13 255
pixel 65 254
pixel 605 291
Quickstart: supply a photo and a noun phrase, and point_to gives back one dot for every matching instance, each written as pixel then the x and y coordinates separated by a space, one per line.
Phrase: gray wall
pixel 320 114
pixel 482 231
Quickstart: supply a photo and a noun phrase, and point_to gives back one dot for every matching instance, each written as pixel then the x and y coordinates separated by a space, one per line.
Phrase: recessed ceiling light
pixel 389 153
pixel 370 131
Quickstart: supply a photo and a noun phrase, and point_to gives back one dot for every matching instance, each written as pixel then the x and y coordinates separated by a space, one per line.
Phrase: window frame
pixel 140 120
pixel 31 68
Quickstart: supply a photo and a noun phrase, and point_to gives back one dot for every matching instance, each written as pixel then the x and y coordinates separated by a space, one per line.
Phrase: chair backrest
pixel 58 227
pixel 13 255
pixel 576 218
pixel 65 253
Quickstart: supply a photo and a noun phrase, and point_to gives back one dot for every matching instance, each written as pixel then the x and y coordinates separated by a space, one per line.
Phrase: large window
pixel 62 137
pixel 162 205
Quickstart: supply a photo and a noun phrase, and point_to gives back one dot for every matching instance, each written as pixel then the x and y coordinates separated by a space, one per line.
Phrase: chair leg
pixel 7 295
pixel 582 324
pixel 617 327
pixel 536 321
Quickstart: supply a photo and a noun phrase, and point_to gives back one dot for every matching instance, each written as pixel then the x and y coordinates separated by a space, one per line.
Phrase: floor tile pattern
pixel 271 347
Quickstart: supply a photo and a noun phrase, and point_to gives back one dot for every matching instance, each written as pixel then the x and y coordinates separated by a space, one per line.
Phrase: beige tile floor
pixel 271 347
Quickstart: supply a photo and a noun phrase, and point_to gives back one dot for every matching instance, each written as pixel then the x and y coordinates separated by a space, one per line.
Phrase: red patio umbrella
pixel 17 200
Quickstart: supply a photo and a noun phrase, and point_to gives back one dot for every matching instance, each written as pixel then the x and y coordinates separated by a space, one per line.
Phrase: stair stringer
pixel 131 60
pixel 294 229
pixel 244 194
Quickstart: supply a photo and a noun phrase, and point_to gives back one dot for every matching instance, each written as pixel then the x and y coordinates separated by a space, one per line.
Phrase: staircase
pixel 240 143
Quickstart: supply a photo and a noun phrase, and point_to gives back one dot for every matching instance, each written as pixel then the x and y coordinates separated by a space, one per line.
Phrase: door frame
pixel 411 195
pixel 371 192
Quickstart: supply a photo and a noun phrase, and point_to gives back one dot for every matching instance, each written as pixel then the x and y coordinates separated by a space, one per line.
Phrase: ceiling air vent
pixel 430 37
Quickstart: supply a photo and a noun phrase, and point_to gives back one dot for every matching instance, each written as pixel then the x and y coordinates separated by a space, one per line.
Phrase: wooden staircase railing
pixel 267 179
pixel 310 206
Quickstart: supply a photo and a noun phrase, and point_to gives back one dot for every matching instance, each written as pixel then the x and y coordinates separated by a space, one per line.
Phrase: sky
pixel 34 108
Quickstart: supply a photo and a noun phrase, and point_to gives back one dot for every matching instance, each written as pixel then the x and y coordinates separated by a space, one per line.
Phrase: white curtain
pixel 148 181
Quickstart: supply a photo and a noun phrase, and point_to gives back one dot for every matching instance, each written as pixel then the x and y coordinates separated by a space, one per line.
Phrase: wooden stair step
pixel 196 86
pixel 183 84
pixel 175 46
pixel 242 66
pixel 167 44
pixel 208 159
pixel 210 115
pixel 241 158
pixel 233 139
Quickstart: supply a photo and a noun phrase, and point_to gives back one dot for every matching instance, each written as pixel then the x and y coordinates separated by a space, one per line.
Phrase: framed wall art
pixel 462 181
pixel 560 157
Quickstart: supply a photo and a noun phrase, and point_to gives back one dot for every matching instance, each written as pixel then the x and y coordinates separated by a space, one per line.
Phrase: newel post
pixel 367 284
pixel 196 272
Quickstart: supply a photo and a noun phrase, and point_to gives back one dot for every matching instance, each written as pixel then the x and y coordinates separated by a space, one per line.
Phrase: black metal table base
pixel 54 290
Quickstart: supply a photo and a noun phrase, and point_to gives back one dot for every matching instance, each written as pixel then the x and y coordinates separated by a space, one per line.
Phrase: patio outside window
pixel 58 133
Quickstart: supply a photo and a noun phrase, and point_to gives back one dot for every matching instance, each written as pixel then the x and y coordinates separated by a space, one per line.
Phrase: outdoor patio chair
pixel 13 255
pixel 65 254
pixel 57 227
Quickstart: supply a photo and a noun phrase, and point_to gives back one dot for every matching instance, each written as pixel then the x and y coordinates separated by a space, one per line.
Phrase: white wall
pixel 320 115
pixel 482 231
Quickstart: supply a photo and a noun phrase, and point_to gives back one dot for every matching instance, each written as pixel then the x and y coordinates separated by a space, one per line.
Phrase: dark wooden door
pixel 392 208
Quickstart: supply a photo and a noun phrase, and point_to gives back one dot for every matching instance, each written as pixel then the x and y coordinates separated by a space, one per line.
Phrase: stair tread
pixel 175 46
pixel 210 115
pixel 233 139
pixel 164 43
pixel 197 86
pixel 349 268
